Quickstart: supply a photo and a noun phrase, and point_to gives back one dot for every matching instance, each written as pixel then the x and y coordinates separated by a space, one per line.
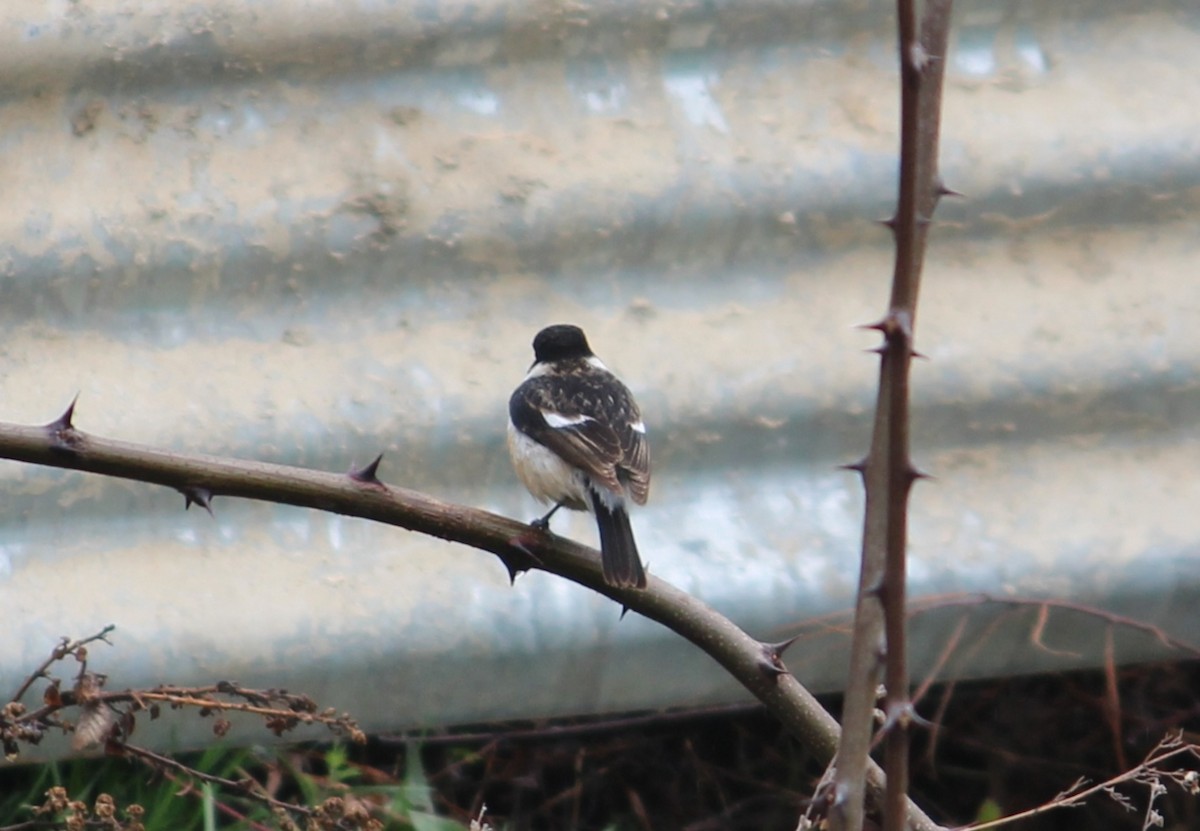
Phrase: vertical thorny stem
pixel 888 472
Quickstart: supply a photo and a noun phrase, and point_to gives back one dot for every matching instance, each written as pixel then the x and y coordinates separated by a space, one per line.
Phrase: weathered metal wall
pixel 310 231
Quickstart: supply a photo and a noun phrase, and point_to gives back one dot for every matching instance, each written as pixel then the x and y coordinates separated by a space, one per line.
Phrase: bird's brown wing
pixel 634 467
pixel 558 422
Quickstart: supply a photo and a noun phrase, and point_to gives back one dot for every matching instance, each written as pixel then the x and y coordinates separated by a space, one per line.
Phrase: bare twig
pixel 1112 698
pixel 1039 629
pixel 839 623
pixel 1049 604
pixel 66 647
pixel 1148 773
pixel 248 786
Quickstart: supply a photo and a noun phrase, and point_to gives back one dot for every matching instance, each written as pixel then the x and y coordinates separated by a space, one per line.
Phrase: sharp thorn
pixel 916 473
pixel 889 223
pixel 63 434
pixel 368 474
pixel 878 326
pixel 897 716
pixel 903 715
pixel 513 572
pixel 624 611
pixel 66 420
pixel 197 496
pixel 777 649
pixel 519 558
pixel 858 467
pixel 918 720
pixel 941 190
pixel 770 666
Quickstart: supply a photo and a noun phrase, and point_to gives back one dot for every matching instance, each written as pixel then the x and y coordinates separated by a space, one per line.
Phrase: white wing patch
pixel 638 427
pixel 559 421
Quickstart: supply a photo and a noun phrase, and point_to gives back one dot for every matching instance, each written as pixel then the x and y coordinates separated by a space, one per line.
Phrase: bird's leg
pixel 543 523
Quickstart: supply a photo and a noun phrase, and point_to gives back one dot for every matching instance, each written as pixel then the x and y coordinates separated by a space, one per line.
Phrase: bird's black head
pixel 560 342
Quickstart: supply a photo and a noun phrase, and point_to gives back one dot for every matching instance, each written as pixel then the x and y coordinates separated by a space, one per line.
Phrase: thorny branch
pixel 757 666
pixel 878 645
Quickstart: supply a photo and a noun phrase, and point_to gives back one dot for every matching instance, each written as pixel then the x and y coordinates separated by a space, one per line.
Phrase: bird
pixel 577 440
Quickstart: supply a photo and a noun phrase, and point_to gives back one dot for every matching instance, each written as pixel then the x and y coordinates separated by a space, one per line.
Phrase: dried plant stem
pixel 246 786
pixel 1045 605
pixel 66 647
pixel 1149 769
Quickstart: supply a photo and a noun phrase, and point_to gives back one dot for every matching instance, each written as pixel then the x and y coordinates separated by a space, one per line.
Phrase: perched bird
pixel 577 439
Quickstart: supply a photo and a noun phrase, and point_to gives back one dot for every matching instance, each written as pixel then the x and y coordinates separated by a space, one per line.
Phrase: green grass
pixel 309 778
pixel 127 781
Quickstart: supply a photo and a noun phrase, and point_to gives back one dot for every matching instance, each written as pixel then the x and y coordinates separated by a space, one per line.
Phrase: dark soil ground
pixel 991 748
pixel 994 746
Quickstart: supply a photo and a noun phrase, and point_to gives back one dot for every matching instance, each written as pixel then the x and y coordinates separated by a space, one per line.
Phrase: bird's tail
pixel 618 551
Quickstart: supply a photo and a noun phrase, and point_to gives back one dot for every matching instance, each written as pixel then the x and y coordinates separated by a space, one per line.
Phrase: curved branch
pixel 757 666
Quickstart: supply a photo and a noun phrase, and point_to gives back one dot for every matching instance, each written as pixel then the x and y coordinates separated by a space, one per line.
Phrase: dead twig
pixel 1149 773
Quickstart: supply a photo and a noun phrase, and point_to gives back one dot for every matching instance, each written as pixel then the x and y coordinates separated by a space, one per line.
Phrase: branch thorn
pixel 777 649
pixel 519 558
pixel 64 421
pixel 62 430
pixel 858 467
pixel 368 474
pixel 941 190
pixel 197 496
pixel 769 664
pixel 915 473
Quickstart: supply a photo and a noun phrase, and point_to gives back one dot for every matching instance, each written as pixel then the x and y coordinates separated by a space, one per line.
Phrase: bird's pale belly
pixel 544 474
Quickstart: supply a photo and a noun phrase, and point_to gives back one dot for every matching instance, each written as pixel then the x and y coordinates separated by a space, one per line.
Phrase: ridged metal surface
pixel 308 232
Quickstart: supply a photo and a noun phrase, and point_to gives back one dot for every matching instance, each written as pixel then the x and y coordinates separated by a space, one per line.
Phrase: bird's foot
pixel 543 523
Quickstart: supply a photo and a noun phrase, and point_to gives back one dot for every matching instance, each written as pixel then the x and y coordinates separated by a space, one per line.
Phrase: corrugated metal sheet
pixel 307 232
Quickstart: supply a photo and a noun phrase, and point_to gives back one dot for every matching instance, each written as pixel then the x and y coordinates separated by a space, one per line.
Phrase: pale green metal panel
pixel 308 232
